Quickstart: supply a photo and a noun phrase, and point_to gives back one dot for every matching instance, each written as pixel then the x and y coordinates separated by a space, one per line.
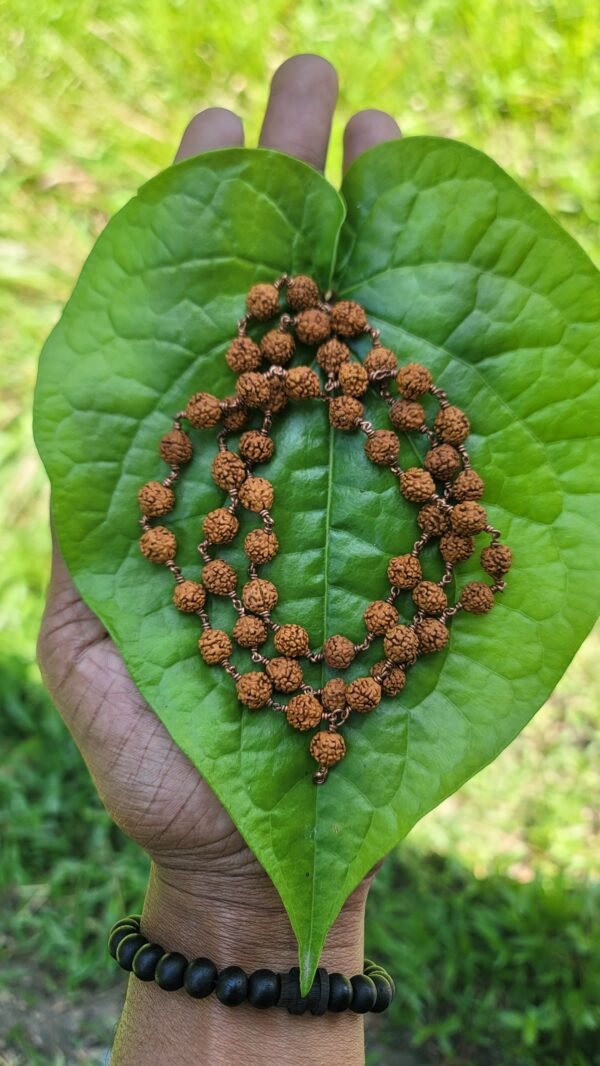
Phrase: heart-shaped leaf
pixel 461 270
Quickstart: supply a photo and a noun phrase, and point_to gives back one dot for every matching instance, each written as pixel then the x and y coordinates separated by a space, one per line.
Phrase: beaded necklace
pixel 446 489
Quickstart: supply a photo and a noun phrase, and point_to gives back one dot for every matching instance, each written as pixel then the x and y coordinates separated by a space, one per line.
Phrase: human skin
pixel 207 893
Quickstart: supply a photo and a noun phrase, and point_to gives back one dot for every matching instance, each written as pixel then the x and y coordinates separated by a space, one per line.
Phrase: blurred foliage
pixel 486 971
pixel 486 919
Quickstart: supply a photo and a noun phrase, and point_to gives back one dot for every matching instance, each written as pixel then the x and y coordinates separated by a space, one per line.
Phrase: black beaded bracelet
pixel 372 990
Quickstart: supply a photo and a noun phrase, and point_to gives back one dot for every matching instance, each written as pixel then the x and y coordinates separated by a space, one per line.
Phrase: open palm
pixel 147 784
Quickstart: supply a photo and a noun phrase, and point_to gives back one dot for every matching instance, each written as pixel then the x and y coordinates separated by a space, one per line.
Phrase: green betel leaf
pixel 461 270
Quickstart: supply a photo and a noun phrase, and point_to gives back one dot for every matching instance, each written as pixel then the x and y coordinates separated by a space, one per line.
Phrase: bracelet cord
pixel 371 991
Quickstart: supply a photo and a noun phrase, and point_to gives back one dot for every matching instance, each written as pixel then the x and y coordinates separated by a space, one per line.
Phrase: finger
pixel 215 127
pixel 300 109
pixel 365 129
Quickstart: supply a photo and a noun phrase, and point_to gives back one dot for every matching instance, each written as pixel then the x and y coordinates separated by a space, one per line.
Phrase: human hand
pixel 205 879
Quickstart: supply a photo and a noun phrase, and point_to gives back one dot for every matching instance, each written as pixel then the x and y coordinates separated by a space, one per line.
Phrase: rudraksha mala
pixel 447 491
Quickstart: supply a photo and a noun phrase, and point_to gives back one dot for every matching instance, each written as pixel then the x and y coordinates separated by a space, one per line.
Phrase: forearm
pixel 242 924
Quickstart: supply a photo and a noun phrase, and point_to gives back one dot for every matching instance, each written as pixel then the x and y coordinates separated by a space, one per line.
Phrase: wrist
pixel 240 919
pixel 237 920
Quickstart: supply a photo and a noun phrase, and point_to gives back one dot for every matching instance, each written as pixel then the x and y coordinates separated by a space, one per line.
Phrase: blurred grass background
pixel 486 917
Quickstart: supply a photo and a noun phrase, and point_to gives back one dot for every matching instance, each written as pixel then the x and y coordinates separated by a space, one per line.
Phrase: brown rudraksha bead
pixel 392 681
pixel 380 359
pixel 400 644
pixel 413 380
pixel 155 499
pixel 333 696
pixel 327 748
pixel 286 674
pixel 304 711
pixel 278 396
pixel 291 640
pixel 253 389
pixel 353 378
pixel 477 597
pixel 220 526
pixel 332 355
pixel 278 347
pixel 259 595
pixel 228 470
pixel 215 646
pixel 363 694
pixel 189 596
pixel 262 301
pixel 496 559
pixel 219 577
pixel 176 447
pixel 455 549
pixel 243 354
pixel 257 447
pixel 312 326
pixel 260 546
pixel 442 461
pixel 256 494
pixel 417 485
pixel 344 412
pixel 254 689
pixel 302 383
pixel 158 544
pixel 380 616
pixel 468 518
pixel 431 634
pixel 451 425
pixel 467 486
pixel 302 292
pixel 348 318
pixel 203 410
pixel 433 519
pixel 404 571
pixel 430 598
pixel 249 631
pixel 338 652
pixel 407 415
pixel 382 447
pixel 234 415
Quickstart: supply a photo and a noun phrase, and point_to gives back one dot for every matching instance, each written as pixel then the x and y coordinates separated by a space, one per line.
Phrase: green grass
pixel 485 917
pixel 486 970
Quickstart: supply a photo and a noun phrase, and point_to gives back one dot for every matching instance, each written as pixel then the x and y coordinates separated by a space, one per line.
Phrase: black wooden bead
pixel 371 968
pixel 380 972
pixel 116 936
pixel 232 986
pixel 126 923
pixel 127 949
pixel 340 992
pixel 200 978
pixel 384 992
pixel 264 987
pixel 135 919
pixel 146 961
pixel 170 971
pixel 364 993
